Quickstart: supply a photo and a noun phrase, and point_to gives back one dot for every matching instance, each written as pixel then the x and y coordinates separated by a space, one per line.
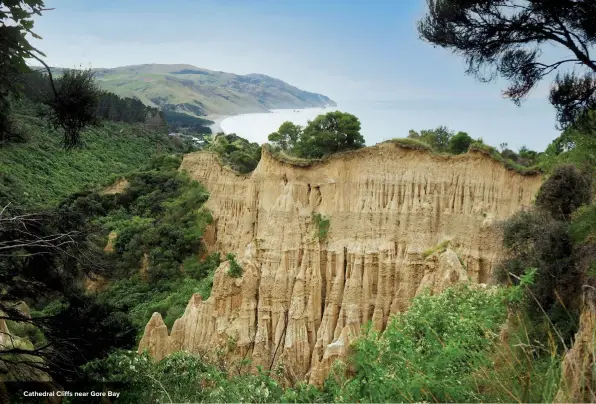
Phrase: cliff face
pixel 301 300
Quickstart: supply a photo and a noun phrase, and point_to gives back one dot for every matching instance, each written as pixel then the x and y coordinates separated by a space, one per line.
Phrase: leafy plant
pixel 428 353
pixel 235 270
pixel 322 225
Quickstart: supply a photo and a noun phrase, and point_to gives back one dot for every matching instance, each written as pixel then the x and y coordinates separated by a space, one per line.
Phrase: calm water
pixel 496 123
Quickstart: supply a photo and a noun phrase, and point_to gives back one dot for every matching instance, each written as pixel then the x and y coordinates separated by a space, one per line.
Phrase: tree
pixel 505 38
pixel 286 136
pixel 43 256
pixel 437 139
pixel 565 191
pixel 74 105
pixel 73 102
pixel 459 143
pixel 235 151
pixel 330 133
pixel 15 24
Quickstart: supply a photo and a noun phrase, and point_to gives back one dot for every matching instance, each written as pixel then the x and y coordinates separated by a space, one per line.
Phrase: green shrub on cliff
pixel 429 352
pixel 321 225
pixel 325 135
pixel 235 151
pixel 235 270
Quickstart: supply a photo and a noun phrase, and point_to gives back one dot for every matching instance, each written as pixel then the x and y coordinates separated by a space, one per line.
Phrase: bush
pixel 564 191
pixel 236 152
pixel 235 270
pixel 533 239
pixel 181 377
pixel 459 143
pixel 429 352
pixel 322 225
pixel 583 224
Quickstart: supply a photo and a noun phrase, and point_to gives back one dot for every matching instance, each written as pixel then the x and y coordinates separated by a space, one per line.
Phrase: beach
pixel 217 119
pixel 257 127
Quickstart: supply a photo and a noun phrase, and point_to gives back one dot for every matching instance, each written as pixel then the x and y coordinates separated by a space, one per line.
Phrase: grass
pixel 408 143
pixel 40 173
pixel 438 248
pixel 509 164
pixel 522 369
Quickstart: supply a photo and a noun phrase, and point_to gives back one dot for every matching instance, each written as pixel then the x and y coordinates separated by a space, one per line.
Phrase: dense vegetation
pixel 37 173
pixel 330 133
pixel 156 224
pixel 235 151
pixel 442 349
pixel 185 123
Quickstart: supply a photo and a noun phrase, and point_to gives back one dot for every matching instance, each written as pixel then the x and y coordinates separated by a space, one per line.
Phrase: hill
pixel 39 173
pixel 202 92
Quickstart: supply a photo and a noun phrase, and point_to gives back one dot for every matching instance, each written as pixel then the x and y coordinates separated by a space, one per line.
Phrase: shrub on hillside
pixel 565 191
pixel 429 352
pixel 235 270
pixel 459 143
pixel 534 239
pixel 235 151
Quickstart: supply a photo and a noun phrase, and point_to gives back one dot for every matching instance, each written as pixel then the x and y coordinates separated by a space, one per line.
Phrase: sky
pixel 365 55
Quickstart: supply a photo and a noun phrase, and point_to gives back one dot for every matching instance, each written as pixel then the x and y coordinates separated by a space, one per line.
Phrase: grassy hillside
pixel 203 92
pixel 39 173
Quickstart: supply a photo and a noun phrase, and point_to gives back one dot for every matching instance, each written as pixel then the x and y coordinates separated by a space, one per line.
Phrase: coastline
pixel 256 126
pixel 217 119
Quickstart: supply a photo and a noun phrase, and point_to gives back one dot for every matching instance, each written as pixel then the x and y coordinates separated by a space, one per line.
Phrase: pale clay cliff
pixel 301 301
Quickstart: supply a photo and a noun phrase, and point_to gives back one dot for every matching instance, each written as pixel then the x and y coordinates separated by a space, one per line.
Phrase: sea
pixel 383 120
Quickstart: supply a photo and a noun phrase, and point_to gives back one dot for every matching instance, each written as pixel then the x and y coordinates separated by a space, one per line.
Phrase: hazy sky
pixel 365 54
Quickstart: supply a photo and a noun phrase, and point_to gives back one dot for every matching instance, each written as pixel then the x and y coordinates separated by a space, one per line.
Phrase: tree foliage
pixel 74 105
pixel 287 136
pixel 438 139
pixel 235 151
pixel 506 38
pixel 330 133
pixel 459 143
pixel 326 134
pixel 565 191
pixel 16 23
pixel 43 257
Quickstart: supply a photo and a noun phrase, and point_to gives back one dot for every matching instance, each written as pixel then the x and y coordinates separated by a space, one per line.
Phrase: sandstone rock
pixel 301 301
pixel 109 248
pixel 117 187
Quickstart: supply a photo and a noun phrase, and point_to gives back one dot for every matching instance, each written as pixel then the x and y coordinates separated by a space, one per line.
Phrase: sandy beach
pixel 256 127
pixel 217 119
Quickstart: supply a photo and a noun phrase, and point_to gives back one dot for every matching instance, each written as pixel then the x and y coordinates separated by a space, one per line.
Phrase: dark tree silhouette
pixel 505 38
pixel 74 105
pixel 43 256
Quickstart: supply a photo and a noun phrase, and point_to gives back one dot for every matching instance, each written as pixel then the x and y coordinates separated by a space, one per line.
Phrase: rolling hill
pixel 202 92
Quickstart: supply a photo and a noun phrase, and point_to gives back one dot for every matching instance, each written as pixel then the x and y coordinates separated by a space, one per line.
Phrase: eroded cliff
pixel 302 299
